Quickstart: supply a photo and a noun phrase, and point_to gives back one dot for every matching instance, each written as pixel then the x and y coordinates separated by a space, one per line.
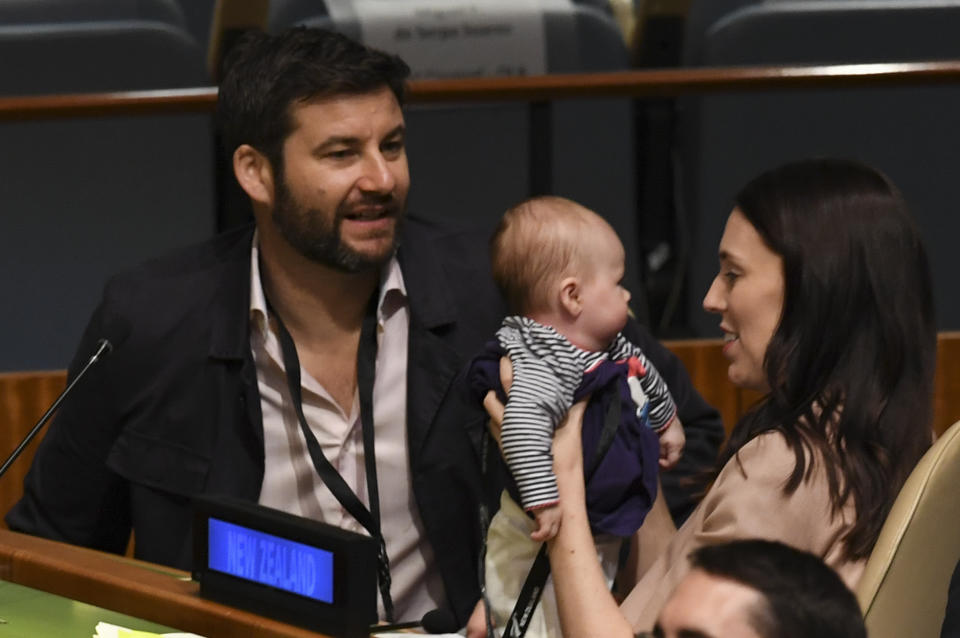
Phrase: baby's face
pixel 604 298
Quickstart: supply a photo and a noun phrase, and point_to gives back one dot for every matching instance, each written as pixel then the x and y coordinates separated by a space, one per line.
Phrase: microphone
pixel 435 621
pixel 104 347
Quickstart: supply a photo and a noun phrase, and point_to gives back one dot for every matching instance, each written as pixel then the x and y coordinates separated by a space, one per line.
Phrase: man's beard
pixel 318 238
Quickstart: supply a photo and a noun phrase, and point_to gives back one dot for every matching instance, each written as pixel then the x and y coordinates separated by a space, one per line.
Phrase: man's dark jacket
pixel 174 411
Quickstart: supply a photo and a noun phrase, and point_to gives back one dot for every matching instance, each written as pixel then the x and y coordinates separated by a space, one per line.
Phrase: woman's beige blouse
pixel 747 501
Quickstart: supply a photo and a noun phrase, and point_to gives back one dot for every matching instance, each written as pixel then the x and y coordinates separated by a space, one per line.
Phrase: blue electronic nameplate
pixel 270 560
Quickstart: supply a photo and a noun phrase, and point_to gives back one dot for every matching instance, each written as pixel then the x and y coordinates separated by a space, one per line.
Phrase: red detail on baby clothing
pixel 540 506
pixel 635 368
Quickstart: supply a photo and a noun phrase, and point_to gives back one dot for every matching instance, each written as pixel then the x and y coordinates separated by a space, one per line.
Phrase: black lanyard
pixel 536 579
pixel 366 366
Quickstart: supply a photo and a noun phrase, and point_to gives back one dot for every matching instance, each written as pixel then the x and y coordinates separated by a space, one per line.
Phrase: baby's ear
pixel 570 299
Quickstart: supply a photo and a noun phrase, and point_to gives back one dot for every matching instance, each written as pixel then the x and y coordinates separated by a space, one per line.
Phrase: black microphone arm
pixel 104 348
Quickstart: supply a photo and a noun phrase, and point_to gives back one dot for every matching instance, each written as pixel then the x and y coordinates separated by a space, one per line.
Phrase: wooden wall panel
pixel 704 361
pixel 24 397
pixel 946 389
pixel 707 367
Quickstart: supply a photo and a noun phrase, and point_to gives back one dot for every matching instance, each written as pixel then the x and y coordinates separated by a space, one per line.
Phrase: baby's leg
pixel 510 554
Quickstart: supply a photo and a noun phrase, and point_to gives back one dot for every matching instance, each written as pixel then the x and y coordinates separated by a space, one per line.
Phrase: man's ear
pixel 570 296
pixel 254 174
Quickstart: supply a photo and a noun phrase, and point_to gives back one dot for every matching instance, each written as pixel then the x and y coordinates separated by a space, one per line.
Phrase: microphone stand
pixel 104 348
pixel 435 621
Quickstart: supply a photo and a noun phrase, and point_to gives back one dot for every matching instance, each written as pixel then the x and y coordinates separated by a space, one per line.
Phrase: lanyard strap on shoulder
pixel 366 368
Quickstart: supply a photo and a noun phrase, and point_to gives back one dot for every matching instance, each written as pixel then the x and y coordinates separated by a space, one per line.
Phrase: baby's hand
pixel 672 440
pixel 548 523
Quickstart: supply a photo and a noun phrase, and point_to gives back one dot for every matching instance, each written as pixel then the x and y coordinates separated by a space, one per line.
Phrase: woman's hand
pixel 568 452
pixel 477 623
pixel 492 404
pixel 583 598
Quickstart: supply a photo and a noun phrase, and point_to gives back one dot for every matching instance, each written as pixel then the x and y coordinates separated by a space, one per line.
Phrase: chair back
pixel 908 132
pixel 903 591
pixel 14 12
pixel 86 197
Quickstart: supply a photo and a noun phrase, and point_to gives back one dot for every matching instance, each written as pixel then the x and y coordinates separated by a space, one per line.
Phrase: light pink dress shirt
pixel 290 482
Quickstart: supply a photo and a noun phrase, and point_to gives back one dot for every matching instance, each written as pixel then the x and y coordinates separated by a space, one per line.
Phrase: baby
pixel 560 268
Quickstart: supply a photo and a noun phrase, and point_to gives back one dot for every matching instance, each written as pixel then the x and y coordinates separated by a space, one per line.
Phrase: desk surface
pixel 27 612
pixel 141 590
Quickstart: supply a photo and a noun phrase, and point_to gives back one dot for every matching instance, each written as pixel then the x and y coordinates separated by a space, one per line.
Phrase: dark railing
pixel 646 83
pixel 538 91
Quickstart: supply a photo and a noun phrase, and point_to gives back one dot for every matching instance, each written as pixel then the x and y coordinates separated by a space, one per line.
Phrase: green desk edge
pixel 31 613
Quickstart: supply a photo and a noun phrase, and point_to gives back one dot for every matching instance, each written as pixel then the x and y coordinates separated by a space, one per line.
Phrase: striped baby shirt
pixel 547 370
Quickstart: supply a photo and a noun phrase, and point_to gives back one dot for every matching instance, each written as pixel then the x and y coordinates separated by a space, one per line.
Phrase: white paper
pixel 107 630
pixel 459 38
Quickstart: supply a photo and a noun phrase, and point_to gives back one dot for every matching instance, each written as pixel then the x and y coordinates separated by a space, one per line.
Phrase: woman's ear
pixel 570 297
pixel 254 174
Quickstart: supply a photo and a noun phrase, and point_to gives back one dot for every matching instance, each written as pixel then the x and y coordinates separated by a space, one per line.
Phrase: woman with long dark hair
pixel 824 298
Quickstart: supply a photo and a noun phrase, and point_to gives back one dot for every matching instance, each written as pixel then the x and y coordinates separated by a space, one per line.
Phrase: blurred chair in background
pixel 14 12
pixel 84 197
pixel 908 132
pixel 657 43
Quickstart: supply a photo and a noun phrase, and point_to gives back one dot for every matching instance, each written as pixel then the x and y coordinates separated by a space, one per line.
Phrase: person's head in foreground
pixel 562 265
pixel 314 126
pixel 759 589
pixel 825 301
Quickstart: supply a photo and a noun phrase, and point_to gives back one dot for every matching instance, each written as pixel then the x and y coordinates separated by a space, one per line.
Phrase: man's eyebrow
pixel 692 633
pixel 335 140
pixel 399 129
pixel 347 140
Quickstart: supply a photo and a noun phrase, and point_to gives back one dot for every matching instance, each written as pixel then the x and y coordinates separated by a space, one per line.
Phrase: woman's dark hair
pixel 850 366
pixel 265 75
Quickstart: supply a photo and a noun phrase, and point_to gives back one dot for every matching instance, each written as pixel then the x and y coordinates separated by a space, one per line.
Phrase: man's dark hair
pixel 265 75
pixel 802 596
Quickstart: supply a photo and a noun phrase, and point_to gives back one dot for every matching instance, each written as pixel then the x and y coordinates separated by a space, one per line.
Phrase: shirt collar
pixel 258 301
pixel 393 291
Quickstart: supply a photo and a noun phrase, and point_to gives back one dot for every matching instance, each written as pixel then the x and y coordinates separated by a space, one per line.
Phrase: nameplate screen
pixel 286 567
pixel 270 560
